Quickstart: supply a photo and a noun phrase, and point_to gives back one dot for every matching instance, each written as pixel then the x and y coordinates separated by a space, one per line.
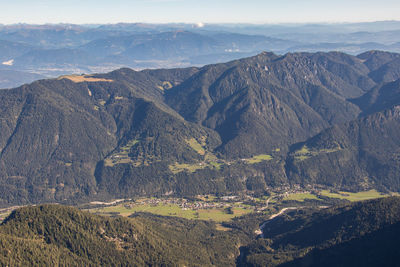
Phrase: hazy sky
pixel 252 11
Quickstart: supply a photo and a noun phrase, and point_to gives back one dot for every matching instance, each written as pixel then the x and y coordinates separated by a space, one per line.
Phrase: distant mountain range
pixel 183 112
pixel 53 50
pixel 13 78
pixel 308 119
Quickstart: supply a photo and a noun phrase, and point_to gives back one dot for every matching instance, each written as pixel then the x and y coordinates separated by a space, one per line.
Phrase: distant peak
pixel 265 56
pixel 265 53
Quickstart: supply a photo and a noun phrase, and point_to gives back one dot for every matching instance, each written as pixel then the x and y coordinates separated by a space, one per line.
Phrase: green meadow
pixel 359 196
pixel 214 214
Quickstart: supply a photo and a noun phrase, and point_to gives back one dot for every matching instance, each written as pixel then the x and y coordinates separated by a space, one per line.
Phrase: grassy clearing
pixel 341 195
pixel 220 227
pixel 215 214
pixel 209 157
pixel 305 152
pixel 127 147
pixel 122 156
pixel 273 201
pixel 301 158
pixel 301 197
pixel 259 158
pixel 196 146
pixel 165 86
pixel 200 148
pixel 216 165
pixel 161 209
pixel 210 160
pixel 180 167
pixel 371 194
pixel 4 215
pixel 219 215
pixel 302 154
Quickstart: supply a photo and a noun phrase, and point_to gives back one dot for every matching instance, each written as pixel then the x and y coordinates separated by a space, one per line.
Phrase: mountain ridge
pixel 194 130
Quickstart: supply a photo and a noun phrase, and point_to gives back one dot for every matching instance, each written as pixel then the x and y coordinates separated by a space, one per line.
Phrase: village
pixel 218 207
pixel 203 202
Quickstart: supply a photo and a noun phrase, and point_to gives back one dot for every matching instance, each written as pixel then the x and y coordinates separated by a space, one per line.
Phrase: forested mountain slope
pixel 249 124
pixel 53 234
pixel 359 234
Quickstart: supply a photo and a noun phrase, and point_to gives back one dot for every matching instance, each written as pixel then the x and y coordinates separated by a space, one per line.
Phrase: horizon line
pixel 203 23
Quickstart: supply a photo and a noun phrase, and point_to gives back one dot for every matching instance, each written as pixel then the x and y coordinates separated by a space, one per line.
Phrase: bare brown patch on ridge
pixel 83 78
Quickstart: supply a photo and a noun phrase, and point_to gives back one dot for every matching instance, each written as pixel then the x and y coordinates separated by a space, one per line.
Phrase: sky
pixel 197 11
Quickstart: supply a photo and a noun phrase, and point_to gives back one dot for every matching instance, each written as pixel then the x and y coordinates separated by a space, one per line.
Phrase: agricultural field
pixel 359 196
pixel 224 209
pixel 217 214
pixel 122 156
pixel 371 194
pixel 210 207
pixel 301 197
pixel 302 154
pixel 196 146
pixel 211 161
pixel 305 153
pixel 176 168
pixel 259 158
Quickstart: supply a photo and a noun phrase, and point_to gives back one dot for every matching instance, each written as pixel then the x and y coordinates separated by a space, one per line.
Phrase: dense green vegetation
pixel 360 152
pixel 339 235
pixel 359 196
pixel 330 236
pixel 379 248
pixel 57 235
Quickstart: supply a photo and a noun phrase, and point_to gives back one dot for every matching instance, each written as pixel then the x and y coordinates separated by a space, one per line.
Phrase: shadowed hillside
pixel 222 128
pixel 360 234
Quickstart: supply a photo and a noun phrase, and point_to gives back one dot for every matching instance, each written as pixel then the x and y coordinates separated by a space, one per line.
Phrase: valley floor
pixel 221 209
pixel 225 208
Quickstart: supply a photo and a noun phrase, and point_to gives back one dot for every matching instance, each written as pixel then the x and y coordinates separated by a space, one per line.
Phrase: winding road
pixel 260 231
